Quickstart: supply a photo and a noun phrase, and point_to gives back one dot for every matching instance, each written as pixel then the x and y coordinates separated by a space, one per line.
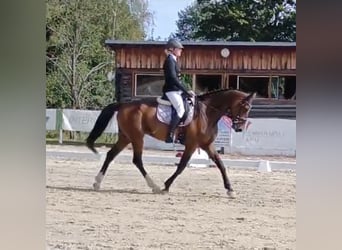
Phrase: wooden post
pixel 194 82
pixel 60 125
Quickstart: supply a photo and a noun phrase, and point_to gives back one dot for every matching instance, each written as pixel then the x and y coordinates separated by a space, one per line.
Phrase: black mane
pixel 205 95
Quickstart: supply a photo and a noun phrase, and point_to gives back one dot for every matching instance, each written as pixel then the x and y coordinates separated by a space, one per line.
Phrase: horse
pixel 137 118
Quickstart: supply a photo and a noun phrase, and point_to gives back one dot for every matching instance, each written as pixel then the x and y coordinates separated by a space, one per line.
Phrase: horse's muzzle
pixel 236 127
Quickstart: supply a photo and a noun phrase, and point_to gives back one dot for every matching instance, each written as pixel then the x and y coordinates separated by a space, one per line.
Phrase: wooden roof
pixel 113 44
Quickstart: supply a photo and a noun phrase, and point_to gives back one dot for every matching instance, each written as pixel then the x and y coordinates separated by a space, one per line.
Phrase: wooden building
pixel 269 68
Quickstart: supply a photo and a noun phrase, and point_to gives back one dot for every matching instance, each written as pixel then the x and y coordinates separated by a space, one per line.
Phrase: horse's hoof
pixel 96 186
pixel 90 145
pixel 164 191
pixel 231 194
pixel 156 190
pixel 98 178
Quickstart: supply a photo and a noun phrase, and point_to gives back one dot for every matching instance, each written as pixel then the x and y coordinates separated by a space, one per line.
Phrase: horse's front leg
pixel 137 160
pixel 189 150
pixel 211 151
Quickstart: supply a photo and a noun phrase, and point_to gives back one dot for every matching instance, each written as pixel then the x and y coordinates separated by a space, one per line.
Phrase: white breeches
pixel 176 101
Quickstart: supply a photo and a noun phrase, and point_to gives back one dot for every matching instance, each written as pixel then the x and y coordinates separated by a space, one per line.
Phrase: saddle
pixel 165 110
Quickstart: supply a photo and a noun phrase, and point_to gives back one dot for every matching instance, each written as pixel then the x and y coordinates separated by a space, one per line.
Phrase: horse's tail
pixel 101 124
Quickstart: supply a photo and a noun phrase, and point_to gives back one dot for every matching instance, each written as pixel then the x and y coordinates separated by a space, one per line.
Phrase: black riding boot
pixel 172 127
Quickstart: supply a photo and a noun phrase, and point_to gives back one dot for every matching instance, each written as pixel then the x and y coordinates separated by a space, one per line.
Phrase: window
pixel 283 87
pixel 258 84
pixel 186 80
pixel 206 83
pixel 290 87
pixel 232 81
pixel 149 84
pixel 276 88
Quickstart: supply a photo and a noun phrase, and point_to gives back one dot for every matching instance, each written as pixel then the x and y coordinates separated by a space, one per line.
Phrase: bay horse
pixel 137 118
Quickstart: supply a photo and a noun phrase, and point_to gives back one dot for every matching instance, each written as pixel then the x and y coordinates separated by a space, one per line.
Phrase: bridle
pixel 237 119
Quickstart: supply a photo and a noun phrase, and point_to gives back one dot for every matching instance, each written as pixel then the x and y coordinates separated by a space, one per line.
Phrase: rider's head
pixel 175 47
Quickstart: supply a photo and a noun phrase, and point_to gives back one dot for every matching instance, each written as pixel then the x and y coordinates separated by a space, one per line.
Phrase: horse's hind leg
pixel 210 149
pixel 111 154
pixel 137 160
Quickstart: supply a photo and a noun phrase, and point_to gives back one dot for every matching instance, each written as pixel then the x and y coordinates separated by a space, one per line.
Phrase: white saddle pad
pixel 164 114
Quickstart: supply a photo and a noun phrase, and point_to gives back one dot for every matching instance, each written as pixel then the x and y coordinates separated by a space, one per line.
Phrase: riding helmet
pixel 173 43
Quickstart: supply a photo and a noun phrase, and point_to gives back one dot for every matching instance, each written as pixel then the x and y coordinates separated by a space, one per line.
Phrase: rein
pixel 210 106
pixel 235 120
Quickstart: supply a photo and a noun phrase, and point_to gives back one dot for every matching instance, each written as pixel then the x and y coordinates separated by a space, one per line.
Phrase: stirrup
pixel 181 139
pixel 169 138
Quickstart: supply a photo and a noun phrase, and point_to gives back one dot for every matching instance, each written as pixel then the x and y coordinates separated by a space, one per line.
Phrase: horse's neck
pixel 218 105
pixel 220 101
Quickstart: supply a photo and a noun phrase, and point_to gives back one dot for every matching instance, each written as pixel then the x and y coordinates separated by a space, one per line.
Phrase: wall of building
pixel 241 59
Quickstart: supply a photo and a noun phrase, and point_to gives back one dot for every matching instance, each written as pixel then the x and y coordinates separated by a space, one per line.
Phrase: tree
pixel 139 9
pixel 236 20
pixel 188 22
pixel 77 60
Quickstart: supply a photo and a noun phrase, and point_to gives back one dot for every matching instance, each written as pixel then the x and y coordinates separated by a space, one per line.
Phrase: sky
pixel 165 15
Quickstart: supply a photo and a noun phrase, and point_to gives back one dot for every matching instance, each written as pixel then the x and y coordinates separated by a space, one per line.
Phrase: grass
pixel 76 138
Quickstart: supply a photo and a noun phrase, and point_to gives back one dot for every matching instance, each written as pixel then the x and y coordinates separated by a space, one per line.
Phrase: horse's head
pixel 239 111
pixel 233 103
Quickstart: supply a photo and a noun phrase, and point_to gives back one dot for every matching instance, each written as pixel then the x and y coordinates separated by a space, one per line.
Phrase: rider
pixel 173 88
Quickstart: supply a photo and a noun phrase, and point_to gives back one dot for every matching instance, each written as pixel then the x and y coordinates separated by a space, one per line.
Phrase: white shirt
pixel 173 56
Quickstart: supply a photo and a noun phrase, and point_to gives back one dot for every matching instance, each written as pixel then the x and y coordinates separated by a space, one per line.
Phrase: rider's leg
pixel 177 102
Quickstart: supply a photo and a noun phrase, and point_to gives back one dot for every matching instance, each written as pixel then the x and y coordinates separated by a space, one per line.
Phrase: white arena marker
pixel 200 154
pixel 264 166
pixel 101 156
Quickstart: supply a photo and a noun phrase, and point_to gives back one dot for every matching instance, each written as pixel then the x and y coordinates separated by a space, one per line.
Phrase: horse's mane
pixel 216 91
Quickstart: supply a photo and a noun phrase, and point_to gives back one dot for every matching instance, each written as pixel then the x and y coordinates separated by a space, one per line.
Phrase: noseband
pixel 236 120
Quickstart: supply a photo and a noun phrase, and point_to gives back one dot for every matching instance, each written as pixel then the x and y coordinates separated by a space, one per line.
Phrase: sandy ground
pixel 196 214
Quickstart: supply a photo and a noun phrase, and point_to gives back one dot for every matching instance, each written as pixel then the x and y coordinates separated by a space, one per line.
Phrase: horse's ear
pixel 250 97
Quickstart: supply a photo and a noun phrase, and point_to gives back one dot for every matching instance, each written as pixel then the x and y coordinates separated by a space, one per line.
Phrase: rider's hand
pixel 190 94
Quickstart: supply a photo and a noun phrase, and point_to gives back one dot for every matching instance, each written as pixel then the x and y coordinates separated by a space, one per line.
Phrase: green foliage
pixel 236 20
pixel 79 137
pixel 56 95
pixel 76 59
pixel 187 81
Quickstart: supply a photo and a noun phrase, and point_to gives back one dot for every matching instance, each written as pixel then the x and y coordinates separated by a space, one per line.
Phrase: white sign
pixel 50 119
pixel 263 136
pixel 267 136
pixel 84 120
pixel 224 131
